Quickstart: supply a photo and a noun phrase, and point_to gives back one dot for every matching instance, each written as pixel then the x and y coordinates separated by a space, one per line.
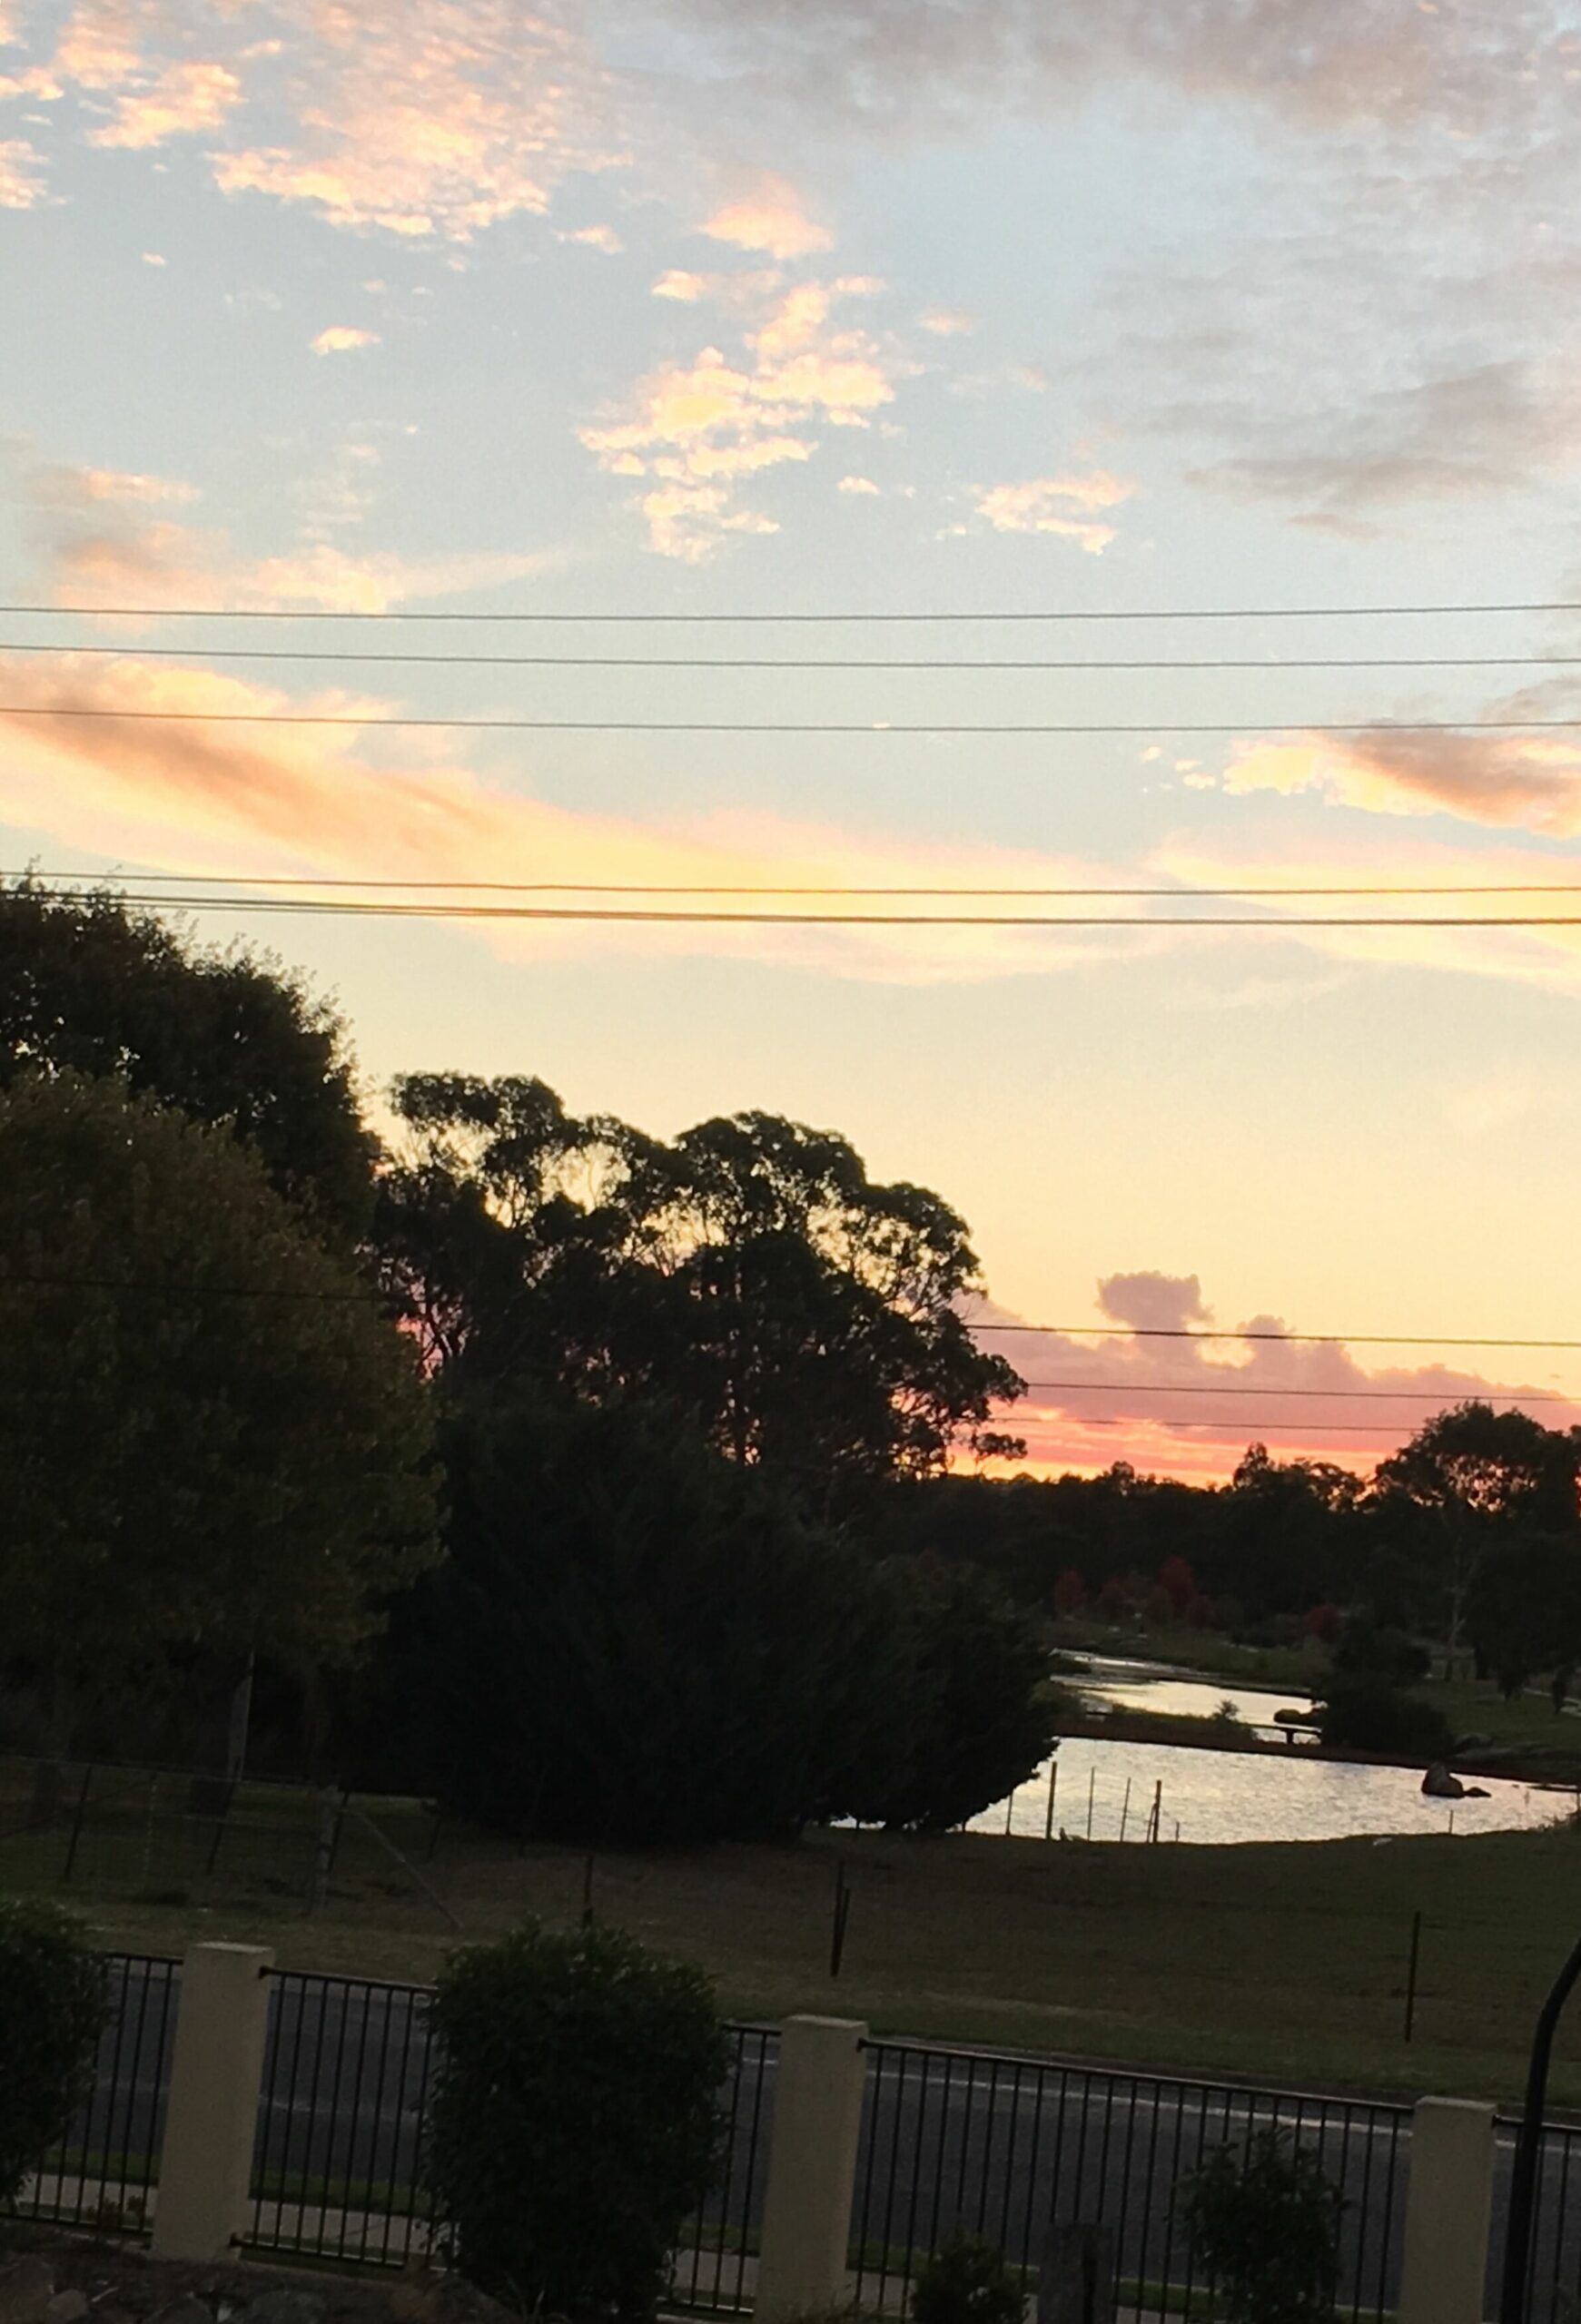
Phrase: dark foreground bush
pixel 52 2006
pixel 967 2281
pixel 1265 2224
pixel 575 2116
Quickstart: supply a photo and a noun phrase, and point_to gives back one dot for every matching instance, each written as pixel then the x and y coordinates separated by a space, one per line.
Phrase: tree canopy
pixel 748 1272
pixel 211 1434
pixel 90 985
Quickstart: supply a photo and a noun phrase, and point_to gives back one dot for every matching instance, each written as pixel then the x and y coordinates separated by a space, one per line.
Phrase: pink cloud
pixel 1188 1407
pixel 770 217
pixel 186 98
pixel 22 185
pixel 948 323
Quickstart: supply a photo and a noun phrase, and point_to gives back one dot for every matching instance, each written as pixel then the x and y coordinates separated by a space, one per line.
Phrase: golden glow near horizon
pixel 448 309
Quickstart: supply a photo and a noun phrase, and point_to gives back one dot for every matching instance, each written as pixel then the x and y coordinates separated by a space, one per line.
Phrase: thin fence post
pixel 811 2174
pixel 212 2115
pixel 1411 1965
pixel 69 1866
pixel 1449 2211
pixel 1053 1784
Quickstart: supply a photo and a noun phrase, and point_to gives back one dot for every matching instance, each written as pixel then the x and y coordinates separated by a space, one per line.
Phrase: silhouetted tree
pixel 90 985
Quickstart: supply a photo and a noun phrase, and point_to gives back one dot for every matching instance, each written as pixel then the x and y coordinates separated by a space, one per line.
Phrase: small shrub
pixel 1265 2223
pixel 52 2007
pixel 575 2116
pixel 967 2281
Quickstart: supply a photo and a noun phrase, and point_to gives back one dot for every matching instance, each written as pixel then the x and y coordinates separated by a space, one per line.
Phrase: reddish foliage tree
pixel 1176 1576
pixel 1323 1623
pixel 1198 1611
pixel 1070 1592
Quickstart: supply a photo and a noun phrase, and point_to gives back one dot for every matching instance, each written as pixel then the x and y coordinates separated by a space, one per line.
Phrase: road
pixel 950 2140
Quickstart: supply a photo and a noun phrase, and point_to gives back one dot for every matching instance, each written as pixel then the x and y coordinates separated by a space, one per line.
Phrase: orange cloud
pixel 1530 781
pixel 185 98
pixel 21 175
pixel 701 428
pixel 948 323
pixel 364 802
pixel 430 118
pixel 1049 505
pixel 340 338
pixel 771 217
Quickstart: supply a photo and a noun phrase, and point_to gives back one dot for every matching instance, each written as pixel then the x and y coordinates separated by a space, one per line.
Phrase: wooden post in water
pixel 1054 1781
pixel 1010 1813
pixel 1125 1808
pixel 1092 1780
pixel 1155 1823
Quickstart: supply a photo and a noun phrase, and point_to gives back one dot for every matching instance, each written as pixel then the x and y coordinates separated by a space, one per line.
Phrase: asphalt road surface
pixel 950 2140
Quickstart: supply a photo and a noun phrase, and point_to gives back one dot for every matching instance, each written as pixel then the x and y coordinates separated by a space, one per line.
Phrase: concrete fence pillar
pixel 212 2115
pixel 1448 2212
pixel 811 2167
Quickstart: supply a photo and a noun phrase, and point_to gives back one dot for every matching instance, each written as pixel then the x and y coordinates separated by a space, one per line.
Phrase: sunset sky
pixel 815 306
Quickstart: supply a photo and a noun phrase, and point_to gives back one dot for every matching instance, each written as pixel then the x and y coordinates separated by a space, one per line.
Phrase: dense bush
pixel 52 2006
pixel 1365 1713
pixel 575 2116
pixel 967 2281
pixel 638 1642
pixel 1265 2224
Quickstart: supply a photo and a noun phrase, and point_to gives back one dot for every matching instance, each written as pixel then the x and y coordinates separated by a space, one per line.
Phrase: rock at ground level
pixel 26 2288
pixel 59 2279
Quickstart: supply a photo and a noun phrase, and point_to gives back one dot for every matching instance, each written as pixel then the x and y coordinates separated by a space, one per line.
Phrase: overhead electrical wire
pixel 138 653
pixel 1219 1427
pixel 844 615
pixel 1303 1339
pixel 761 888
pixel 1235 1387
pixel 379 723
pixel 362 908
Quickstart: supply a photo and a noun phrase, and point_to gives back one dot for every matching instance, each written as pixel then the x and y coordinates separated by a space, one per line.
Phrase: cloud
pixel 857 484
pixel 1121 1400
pixel 368 802
pixel 947 322
pixel 339 338
pixel 22 185
pixel 701 428
pixel 152 258
pixel 1462 435
pixel 186 99
pixel 771 217
pixel 597 238
pixel 1529 781
pixel 101 547
pixel 1050 504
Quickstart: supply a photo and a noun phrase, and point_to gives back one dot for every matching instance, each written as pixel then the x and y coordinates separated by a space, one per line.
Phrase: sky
pixel 947 308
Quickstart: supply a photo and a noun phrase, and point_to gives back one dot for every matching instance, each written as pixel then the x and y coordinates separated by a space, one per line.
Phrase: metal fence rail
pixel 1553 2276
pixel 335 2170
pixel 103 2171
pixel 1004 2146
pixel 715 2268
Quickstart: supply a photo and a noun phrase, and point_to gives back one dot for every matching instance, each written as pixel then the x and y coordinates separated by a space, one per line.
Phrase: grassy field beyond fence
pixel 1282 1963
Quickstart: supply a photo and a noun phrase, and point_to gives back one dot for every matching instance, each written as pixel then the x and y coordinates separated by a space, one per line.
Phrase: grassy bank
pixel 1283 1964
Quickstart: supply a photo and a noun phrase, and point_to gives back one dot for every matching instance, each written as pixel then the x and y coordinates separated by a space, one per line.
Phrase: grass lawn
pixel 1282 1963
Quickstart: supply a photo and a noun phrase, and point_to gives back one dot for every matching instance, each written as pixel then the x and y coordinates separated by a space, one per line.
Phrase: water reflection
pixel 1108 1790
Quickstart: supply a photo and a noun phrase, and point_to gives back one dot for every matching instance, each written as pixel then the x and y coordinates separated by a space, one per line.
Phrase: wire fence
pixel 1035 2156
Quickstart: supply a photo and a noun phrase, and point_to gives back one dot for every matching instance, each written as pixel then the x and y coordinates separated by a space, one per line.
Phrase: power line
pixel 776 662
pixel 757 888
pixel 1221 1427
pixel 1234 1387
pixel 1299 1339
pixel 854 614
pixel 375 724
pixel 320 907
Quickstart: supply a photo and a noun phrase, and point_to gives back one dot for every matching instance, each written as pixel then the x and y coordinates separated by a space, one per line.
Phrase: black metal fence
pixel 1004 2146
pixel 104 2170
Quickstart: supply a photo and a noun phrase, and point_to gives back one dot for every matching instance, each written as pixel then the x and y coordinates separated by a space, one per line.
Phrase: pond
pixel 1107 1791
